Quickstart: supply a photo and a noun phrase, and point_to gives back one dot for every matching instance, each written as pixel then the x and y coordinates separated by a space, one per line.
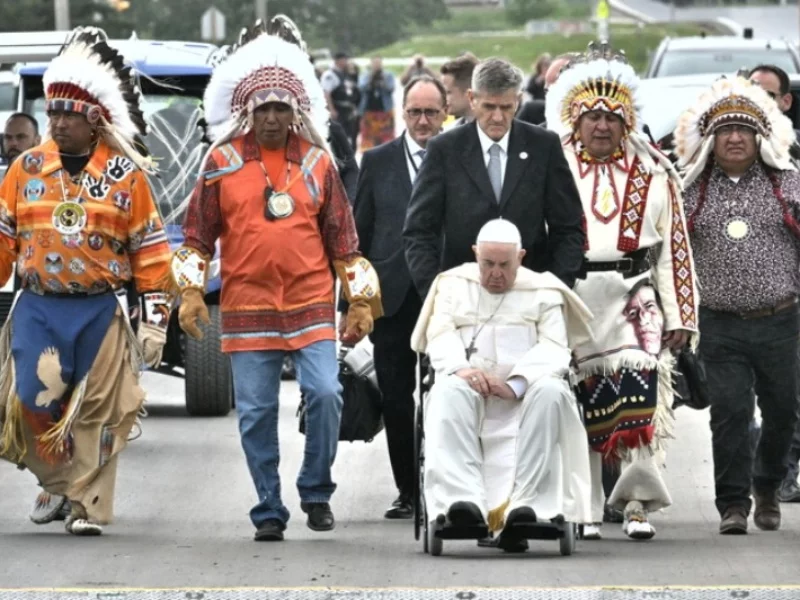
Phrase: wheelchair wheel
pixel 426 529
pixel 419 461
pixel 567 543
pixel 435 543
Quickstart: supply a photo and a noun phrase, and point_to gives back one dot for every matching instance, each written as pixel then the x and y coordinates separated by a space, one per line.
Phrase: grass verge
pixel 638 43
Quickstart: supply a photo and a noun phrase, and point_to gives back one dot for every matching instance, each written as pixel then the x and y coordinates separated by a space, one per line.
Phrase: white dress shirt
pixel 413 148
pixel 486 143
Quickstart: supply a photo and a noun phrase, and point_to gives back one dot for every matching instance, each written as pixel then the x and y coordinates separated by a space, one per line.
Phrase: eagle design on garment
pixel 48 370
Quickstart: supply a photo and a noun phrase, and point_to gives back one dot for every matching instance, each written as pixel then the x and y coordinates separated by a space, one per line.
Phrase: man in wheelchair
pixel 504 442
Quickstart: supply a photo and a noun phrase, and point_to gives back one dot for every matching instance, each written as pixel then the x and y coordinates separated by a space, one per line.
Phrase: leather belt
pixel 117 291
pixel 772 310
pixel 631 265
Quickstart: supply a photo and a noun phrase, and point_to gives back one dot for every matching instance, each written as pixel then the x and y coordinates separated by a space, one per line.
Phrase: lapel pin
pixel 523 155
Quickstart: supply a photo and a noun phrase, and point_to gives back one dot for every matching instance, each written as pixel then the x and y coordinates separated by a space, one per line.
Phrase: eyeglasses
pixel 733 128
pixel 430 113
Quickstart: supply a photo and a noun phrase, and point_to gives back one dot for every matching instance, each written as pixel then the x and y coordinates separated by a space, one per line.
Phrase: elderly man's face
pixel 424 112
pixel 271 122
pixel 19 135
pixel 735 147
pixel 494 112
pixel 601 133
pixel 498 264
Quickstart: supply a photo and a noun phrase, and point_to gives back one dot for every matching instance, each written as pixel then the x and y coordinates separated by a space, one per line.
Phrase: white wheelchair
pixel 435 529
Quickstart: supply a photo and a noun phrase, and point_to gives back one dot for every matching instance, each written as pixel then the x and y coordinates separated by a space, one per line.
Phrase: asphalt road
pixel 184 493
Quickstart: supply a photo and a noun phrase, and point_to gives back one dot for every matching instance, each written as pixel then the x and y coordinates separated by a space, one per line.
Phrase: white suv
pixel 720 54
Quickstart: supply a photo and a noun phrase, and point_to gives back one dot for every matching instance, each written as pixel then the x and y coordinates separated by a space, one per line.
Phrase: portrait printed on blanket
pixel 645 314
pixel 619 407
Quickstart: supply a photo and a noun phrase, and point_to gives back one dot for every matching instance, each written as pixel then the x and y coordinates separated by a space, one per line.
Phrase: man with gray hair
pixel 498 336
pixel 494 167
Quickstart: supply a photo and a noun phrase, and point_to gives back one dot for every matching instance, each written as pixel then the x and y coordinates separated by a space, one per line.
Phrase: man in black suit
pixel 345 158
pixel 384 189
pixel 532 111
pixel 496 167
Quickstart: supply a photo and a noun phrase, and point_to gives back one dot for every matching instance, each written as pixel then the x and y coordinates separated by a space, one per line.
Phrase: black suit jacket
pixel 343 151
pixel 384 189
pixel 453 196
pixel 532 112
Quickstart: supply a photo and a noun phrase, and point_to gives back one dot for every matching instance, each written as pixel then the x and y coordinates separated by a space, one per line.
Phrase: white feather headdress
pixel 90 77
pixel 268 64
pixel 732 101
pixel 601 79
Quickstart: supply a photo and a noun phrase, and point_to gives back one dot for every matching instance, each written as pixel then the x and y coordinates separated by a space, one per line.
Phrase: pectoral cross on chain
pixel 471 349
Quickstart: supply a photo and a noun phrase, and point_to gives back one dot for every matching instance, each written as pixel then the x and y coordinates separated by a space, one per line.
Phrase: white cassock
pixel 503 454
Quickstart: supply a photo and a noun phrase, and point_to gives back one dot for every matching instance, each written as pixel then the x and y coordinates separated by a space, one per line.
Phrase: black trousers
pixel 396 368
pixel 742 355
pixel 793 462
pixel 350 122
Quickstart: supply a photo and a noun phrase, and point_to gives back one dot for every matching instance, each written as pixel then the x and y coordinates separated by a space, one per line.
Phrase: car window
pixel 663 104
pixel 696 62
pixel 8 96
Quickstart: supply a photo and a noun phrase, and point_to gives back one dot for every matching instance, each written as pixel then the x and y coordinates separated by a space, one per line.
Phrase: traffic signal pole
pixel 61 9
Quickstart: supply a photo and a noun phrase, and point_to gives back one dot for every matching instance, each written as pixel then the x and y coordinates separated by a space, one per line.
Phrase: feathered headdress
pixel 600 79
pixel 267 64
pixel 732 101
pixel 90 77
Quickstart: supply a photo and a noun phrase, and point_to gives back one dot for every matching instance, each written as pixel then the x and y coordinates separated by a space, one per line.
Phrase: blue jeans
pixel 256 382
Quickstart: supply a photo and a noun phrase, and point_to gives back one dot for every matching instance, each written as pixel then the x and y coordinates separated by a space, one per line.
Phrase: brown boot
pixel 734 521
pixel 767 515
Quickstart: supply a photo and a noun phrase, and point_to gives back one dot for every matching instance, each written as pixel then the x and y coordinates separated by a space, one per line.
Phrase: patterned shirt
pixel 86 234
pixel 277 286
pixel 748 267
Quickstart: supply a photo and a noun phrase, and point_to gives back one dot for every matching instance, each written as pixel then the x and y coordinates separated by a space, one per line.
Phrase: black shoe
pixel 320 515
pixel 464 514
pixel 734 521
pixel 270 530
pixel 402 508
pixel 767 513
pixel 509 540
pixel 789 492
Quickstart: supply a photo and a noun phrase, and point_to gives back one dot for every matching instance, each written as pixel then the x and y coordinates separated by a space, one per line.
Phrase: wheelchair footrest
pixel 538 531
pixel 468 532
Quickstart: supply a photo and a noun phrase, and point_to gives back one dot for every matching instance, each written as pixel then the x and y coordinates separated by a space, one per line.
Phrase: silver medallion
pixel 737 229
pixel 69 217
pixel 281 205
